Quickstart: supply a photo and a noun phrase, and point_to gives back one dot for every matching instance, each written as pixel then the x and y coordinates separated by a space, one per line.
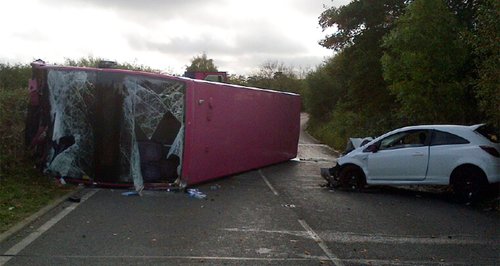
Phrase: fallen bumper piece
pixel 331 176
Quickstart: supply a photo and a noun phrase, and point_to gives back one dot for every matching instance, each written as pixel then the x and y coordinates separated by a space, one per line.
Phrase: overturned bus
pixel 119 127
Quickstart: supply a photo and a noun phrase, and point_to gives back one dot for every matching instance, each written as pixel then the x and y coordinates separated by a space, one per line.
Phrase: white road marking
pixel 311 178
pixel 303 258
pixel 268 184
pixel 314 145
pixel 349 237
pixel 312 187
pixel 42 229
pixel 303 234
pixel 316 160
pixel 402 262
pixel 263 251
pixel 321 244
pixel 346 237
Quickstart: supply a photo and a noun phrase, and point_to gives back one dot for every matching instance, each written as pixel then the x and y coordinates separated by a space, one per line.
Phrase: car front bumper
pixel 330 175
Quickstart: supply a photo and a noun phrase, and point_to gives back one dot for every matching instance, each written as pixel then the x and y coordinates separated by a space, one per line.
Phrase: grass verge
pixel 23 192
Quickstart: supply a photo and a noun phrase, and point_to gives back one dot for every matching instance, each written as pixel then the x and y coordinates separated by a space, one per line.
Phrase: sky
pixel 239 35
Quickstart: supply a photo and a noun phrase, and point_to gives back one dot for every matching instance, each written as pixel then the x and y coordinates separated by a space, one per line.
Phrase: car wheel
pixel 351 177
pixel 469 184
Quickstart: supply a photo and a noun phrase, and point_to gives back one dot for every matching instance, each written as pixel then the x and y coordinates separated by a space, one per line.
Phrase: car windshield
pixel 489 132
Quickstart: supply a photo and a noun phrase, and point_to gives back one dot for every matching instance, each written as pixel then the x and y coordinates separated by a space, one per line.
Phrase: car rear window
pixel 445 138
pixel 489 132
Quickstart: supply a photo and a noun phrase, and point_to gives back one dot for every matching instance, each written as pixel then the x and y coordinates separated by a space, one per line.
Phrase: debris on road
pixel 215 187
pixel 196 193
pixel 74 199
pixel 130 193
pixel 263 250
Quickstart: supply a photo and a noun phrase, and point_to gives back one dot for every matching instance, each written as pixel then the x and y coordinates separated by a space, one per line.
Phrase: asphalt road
pixel 278 215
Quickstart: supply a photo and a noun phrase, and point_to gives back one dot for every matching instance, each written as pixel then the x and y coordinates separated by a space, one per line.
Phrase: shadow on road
pixel 490 201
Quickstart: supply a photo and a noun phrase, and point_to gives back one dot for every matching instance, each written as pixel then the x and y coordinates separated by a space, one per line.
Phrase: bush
pixel 343 124
pixel 14 76
pixel 23 189
pixel 13 106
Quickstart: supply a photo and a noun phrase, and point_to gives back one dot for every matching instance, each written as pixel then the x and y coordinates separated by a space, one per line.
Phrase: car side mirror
pixel 372 148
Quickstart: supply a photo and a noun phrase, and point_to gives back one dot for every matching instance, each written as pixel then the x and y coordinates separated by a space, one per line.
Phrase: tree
pixel 237 79
pixel 358 20
pixel 360 27
pixel 276 75
pixel 13 77
pixel 13 104
pixel 465 11
pixel 326 87
pixel 486 47
pixel 202 63
pixel 91 61
pixel 422 63
pixel 270 69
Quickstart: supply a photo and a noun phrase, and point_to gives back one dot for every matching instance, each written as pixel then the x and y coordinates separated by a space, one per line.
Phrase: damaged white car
pixel 465 157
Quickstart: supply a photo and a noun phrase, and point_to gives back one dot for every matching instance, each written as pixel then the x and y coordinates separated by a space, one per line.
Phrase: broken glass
pixel 71 96
pixel 83 102
pixel 146 102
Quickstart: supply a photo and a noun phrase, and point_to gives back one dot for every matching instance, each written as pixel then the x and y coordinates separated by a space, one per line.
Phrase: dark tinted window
pixel 406 139
pixel 488 132
pixel 445 138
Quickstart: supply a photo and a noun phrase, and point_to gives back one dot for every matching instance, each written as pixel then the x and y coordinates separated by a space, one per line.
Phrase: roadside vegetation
pixel 401 62
pixel 23 190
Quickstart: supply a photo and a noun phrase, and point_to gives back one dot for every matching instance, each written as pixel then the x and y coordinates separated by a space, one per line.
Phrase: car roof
pixel 460 130
pixel 442 127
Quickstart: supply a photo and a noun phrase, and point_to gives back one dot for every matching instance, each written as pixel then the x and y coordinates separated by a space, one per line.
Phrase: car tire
pixel 352 177
pixel 469 184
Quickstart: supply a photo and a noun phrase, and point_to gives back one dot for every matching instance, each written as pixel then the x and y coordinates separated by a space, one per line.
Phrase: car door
pixel 446 149
pixel 402 156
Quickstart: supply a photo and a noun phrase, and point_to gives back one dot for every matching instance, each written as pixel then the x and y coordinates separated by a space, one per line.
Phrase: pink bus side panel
pixel 231 130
